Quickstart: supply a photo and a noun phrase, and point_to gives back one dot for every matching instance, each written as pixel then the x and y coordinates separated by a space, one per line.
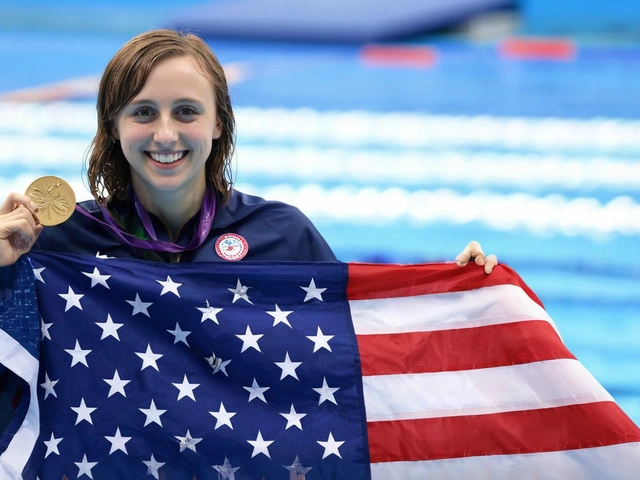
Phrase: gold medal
pixel 55 199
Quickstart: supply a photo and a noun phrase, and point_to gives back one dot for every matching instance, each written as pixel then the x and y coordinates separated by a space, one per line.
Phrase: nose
pixel 166 132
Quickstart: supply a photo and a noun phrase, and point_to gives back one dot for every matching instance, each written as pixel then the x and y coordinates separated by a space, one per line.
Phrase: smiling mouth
pixel 167 158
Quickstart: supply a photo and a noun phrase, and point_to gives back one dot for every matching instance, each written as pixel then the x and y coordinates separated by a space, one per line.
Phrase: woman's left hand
pixel 473 252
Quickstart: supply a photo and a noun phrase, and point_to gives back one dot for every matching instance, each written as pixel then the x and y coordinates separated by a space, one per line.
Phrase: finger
pixel 490 263
pixel 472 250
pixel 19 223
pixel 14 200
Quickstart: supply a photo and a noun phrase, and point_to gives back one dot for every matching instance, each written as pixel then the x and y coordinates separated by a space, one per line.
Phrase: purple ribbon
pixel 207 214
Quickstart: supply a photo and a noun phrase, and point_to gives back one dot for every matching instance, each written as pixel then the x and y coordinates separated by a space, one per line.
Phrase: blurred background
pixel 403 129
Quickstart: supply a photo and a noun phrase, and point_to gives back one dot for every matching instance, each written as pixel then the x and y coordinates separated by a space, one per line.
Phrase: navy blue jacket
pixel 274 231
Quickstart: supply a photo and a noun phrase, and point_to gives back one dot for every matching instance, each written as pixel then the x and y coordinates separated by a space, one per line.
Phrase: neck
pixel 174 209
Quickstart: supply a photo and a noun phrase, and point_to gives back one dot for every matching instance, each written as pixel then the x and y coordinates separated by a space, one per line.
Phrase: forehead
pixel 181 75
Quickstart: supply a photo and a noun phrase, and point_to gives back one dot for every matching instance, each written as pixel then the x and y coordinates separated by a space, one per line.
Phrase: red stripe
pixel 529 431
pixel 460 349
pixel 538 49
pixel 368 281
pixel 399 56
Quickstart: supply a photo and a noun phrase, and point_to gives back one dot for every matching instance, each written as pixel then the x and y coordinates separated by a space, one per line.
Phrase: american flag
pixel 300 370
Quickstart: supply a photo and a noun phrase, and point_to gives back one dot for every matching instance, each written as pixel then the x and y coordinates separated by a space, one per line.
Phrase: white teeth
pixel 170 158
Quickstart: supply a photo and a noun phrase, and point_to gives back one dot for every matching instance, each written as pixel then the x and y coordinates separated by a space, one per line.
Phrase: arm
pixel 19 229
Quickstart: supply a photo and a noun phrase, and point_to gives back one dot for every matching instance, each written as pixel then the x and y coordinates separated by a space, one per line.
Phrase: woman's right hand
pixel 19 228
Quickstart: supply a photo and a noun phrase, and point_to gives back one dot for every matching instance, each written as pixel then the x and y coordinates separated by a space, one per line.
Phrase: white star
pixel 103 256
pixel 331 446
pixel 312 291
pixel 169 286
pixel 223 417
pixel 298 471
pixel 84 412
pixel 226 471
pixel 78 355
pixel 52 445
pixel 116 384
pixel 209 313
pixel 217 364
pixel 97 278
pixel 153 466
pixel 44 327
pixel 109 328
pixel 85 467
pixel 186 389
pixel 179 334
pixel 37 272
pixel 326 392
pixel 320 340
pixel 48 386
pixel 149 358
pixel 72 298
pixel 240 292
pixel 256 391
pixel 153 414
pixel 118 442
pixel 260 445
pixel 280 316
pixel 139 306
pixel 188 442
pixel 249 340
pixel 293 418
pixel 288 367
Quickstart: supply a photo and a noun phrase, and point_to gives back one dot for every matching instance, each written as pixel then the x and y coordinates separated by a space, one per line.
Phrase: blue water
pixel 590 285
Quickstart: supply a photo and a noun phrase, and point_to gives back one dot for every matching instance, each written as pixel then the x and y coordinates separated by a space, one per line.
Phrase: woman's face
pixel 166 132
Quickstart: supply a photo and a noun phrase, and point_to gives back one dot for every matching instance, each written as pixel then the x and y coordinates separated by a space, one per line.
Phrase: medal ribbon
pixel 207 214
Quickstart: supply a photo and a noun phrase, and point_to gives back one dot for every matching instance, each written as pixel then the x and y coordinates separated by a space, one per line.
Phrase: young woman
pixel 159 171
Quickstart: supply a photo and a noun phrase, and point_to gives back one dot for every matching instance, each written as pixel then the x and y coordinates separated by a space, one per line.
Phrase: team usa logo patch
pixel 232 247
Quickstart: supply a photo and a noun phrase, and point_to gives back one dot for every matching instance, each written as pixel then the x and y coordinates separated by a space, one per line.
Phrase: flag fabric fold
pixel 296 370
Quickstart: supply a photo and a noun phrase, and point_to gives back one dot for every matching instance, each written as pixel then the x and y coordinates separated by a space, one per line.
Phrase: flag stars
pixel 52 445
pixel 313 291
pixel 117 385
pixel 293 418
pixel 44 328
pixel 331 447
pixel 118 442
pixel 217 364
pixel 153 414
pixel 296 468
pixel 169 286
pixel 186 389
pixel 226 471
pixel 72 298
pixel 85 467
pixel 97 278
pixel 288 367
pixel 179 335
pixel 109 328
pixel 260 445
pixel 83 412
pixel 153 466
pixel 249 340
pixel 48 386
pixel 139 306
pixel 209 313
pixel 149 358
pixel 223 417
pixel 188 442
pixel 240 292
pixel 326 392
pixel 37 272
pixel 78 355
pixel 280 316
pixel 320 340
pixel 256 391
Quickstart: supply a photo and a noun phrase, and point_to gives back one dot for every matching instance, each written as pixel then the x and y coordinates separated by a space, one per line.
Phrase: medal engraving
pixel 55 199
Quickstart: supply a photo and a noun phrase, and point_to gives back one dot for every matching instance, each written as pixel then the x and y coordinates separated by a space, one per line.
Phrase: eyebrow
pixel 144 101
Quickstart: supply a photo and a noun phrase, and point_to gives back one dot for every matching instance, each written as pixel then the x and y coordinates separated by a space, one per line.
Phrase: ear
pixel 217 132
pixel 114 131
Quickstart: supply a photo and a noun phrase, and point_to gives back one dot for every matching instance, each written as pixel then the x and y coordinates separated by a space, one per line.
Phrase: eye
pixel 143 112
pixel 186 111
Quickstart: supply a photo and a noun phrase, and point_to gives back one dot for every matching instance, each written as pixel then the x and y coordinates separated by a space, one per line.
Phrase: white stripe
pixel 619 462
pixel 22 363
pixel 547 384
pixel 425 313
